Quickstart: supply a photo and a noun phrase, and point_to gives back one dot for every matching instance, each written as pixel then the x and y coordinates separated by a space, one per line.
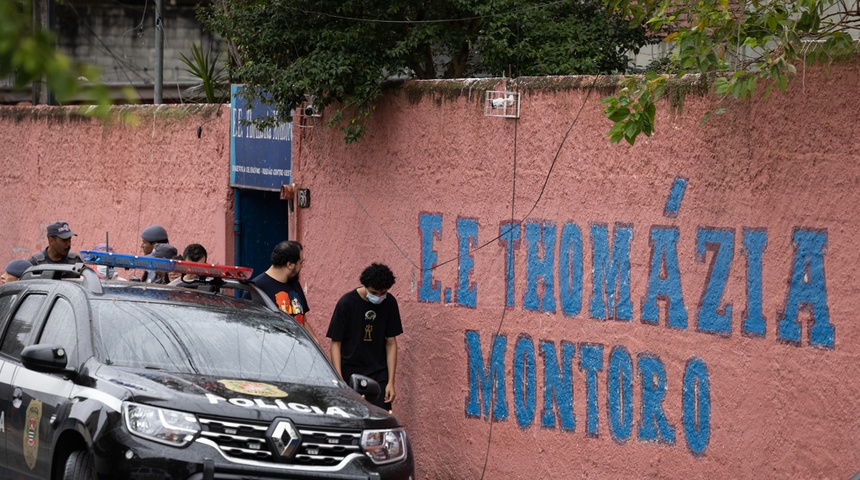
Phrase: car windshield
pixel 248 343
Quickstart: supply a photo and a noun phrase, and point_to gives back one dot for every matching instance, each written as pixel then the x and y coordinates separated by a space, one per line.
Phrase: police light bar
pixel 165 265
pixel 212 270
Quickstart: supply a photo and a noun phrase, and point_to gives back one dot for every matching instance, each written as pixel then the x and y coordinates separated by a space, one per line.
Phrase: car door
pixel 19 333
pixel 43 394
pixel 7 302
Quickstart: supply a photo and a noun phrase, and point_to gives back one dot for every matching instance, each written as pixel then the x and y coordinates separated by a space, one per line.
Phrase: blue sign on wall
pixel 259 158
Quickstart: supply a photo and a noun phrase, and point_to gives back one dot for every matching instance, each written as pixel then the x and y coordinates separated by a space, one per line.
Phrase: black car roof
pixel 200 292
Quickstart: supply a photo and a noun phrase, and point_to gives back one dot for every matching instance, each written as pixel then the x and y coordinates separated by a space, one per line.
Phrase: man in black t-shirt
pixel 363 331
pixel 281 282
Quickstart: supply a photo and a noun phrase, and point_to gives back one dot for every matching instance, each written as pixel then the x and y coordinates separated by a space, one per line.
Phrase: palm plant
pixel 209 72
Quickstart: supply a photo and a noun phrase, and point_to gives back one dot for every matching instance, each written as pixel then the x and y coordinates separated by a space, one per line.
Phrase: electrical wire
pixel 121 63
pixel 357 201
pixel 504 307
pixel 488 242
pixel 415 22
pixel 490 413
pixel 506 232
pixel 513 221
pixel 542 190
pixel 139 25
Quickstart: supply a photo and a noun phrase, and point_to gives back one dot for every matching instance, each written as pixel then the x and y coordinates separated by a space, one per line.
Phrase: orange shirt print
pixel 291 306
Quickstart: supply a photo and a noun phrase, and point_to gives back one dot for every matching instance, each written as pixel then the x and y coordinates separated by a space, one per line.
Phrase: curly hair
pixel 377 276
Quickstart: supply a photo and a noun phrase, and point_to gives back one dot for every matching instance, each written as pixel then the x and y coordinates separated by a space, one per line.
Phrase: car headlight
pixel 160 424
pixel 384 446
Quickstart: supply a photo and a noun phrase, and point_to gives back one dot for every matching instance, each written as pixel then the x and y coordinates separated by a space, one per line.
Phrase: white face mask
pixel 374 299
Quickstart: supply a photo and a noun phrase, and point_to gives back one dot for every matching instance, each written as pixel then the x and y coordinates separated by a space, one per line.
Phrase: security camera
pixel 502 101
pixel 309 110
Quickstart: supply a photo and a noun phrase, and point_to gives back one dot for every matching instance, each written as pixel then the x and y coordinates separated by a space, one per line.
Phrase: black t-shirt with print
pixel 362 327
pixel 289 296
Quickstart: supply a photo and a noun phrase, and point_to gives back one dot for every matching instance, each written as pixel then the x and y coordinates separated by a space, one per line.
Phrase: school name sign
pixel 554 261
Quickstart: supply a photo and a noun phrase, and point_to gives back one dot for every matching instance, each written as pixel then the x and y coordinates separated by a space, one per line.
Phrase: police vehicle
pixel 128 380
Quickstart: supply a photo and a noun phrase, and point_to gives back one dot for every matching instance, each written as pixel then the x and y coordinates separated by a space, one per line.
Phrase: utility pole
pixel 43 18
pixel 159 54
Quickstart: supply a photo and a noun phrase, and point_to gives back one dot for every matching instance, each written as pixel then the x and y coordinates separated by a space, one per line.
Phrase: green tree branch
pixel 735 46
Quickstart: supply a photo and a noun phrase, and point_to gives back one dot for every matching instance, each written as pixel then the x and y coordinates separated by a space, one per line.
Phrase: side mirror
pixel 45 358
pixel 366 386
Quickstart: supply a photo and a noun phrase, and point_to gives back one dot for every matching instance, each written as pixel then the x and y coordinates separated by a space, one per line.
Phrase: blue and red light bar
pixel 165 265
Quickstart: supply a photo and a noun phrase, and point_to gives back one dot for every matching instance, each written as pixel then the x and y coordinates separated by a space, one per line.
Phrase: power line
pixel 121 63
pixel 488 242
pixel 415 22
pixel 513 221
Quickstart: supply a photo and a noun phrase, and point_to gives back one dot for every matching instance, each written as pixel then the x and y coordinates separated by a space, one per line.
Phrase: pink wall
pixel 778 179
pixel 117 178
pixel 781 175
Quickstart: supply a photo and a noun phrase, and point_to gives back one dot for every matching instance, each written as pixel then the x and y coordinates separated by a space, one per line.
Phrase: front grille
pixel 326 447
pixel 247 441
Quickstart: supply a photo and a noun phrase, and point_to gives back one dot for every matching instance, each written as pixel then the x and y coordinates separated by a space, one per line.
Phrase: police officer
pixel 59 249
pixel 14 270
pixel 166 251
pixel 149 237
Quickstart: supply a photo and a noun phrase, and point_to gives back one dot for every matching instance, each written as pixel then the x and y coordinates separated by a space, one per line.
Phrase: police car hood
pixel 336 405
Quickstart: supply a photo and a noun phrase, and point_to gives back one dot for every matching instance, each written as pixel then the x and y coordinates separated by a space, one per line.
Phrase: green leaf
pixel 619 114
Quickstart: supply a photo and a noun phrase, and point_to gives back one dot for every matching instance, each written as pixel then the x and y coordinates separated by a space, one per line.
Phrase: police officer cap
pixel 60 229
pixel 164 250
pixel 154 233
pixel 17 267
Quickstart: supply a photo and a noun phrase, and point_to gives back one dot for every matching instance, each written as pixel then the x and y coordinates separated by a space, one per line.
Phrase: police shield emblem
pixel 31 432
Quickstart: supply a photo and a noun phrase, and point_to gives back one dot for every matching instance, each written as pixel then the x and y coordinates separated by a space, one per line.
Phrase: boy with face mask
pixel 363 331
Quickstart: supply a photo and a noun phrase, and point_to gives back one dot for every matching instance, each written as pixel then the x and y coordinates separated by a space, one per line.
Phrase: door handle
pixel 16 397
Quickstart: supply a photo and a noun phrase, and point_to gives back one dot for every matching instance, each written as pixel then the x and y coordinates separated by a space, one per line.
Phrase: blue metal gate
pixel 261 222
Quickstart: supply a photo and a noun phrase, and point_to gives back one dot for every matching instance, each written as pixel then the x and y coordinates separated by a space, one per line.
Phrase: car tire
pixel 80 466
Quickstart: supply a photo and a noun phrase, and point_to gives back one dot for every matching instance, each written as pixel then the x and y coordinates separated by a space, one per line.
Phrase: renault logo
pixel 285 437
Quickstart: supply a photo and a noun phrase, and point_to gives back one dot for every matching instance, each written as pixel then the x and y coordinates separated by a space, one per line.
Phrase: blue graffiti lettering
pixel 611 275
pixel 697 405
pixel 755 242
pixel 591 362
pixel 495 373
pixel 558 386
pixel 540 268
pixel 509 236
pixel 570 269
pixel 667 286
pixel 806 299
pixel 712 317
pixel 524 381
pixel 808 291
pixel 430 224
pixel 652 379
pixel 620 394
pixel 467 231
pixel 487 390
